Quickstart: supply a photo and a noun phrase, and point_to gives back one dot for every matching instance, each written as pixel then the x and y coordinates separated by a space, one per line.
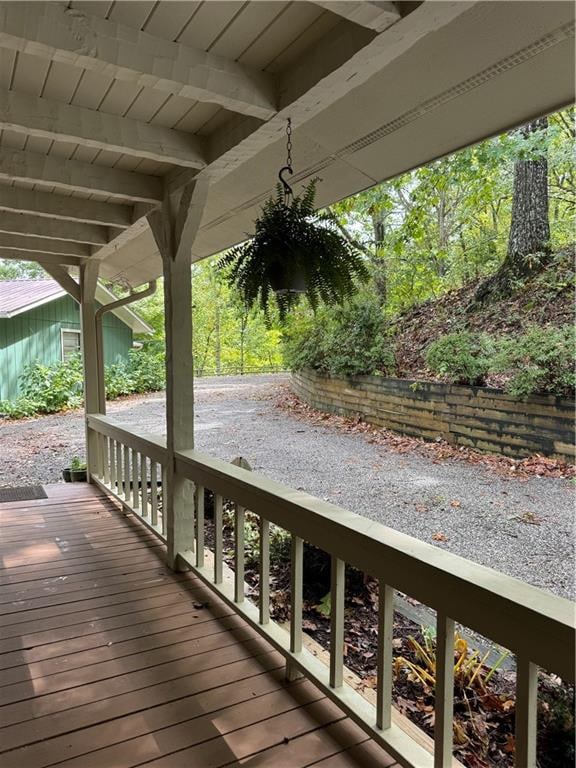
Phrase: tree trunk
pixel 529 239
pixel 218 346
pixel 530 226
pixel 378 264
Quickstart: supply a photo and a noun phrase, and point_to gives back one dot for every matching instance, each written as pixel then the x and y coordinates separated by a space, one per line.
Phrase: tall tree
pixel 530 225
pixel 529 245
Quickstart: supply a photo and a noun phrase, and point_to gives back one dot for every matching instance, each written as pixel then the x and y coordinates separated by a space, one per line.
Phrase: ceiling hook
pixel 287 188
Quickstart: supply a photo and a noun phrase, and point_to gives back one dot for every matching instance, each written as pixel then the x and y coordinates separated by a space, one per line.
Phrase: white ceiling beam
pixel 44 245
pixel 79 177
pixel 53 229
pixel 68 35
pixel 62 277
pixel 50 119
pixel 367 13
pixel 53 206
pixel 41 258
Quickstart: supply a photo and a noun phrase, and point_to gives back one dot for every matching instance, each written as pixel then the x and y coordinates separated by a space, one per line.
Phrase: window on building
pixel 70 343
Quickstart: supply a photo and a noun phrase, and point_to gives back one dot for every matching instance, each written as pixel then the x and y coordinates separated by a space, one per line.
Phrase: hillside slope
pixel 546 300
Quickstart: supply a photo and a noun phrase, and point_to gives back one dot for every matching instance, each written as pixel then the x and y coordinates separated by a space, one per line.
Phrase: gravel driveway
pixel 522 527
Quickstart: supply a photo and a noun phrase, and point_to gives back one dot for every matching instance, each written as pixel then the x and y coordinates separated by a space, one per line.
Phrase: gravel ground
pixel 483 516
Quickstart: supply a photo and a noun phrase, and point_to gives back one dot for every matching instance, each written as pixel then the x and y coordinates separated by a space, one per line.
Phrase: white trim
pixel 68 330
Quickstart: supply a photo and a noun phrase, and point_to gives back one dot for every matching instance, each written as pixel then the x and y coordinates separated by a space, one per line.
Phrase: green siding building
pixel 38 321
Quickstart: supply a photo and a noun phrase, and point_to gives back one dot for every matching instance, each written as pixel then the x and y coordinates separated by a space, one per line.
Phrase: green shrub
pixel 539 362
pixel 462 357
pixel 146 367
pixel 59 386
pixel 53 387
pixel 359 344
pixel 118 379
pixel 19 408
pixel 344 341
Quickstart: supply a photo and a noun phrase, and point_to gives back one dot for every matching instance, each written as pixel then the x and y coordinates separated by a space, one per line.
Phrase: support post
pixel 174 227
pixel 88 280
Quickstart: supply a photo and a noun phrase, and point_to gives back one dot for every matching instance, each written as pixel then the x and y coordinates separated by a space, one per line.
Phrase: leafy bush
pixel 53 387
pixel 59 386
pixel 539 362
pixel 146 367
pixel 118 379
pixel 20 408
pixel 462 357
pixel 345 341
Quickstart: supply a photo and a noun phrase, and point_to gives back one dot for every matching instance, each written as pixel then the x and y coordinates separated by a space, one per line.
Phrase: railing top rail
pixel 517 615
pixel 153 446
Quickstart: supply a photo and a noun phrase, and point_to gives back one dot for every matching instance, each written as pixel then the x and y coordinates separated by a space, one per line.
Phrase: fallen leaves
pixel 439 450
pixel 439 536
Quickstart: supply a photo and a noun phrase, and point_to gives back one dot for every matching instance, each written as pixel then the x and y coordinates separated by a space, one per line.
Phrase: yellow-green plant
pixel 470 668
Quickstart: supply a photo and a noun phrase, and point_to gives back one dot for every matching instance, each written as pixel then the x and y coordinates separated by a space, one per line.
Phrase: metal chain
pixel 289 143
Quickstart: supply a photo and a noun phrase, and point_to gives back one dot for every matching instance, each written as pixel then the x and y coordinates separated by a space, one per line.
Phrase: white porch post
pixel 88 279
pixel 174 227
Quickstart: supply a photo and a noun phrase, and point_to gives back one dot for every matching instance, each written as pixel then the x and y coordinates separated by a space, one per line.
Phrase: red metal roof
pixel 19 295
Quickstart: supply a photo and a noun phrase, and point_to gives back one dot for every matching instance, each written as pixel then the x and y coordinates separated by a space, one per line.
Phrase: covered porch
pixel 137 138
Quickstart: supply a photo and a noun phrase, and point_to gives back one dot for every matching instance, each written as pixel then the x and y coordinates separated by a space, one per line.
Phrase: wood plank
pixel 79 177
pixel 244 742
pixel 93 712
pixel 53 206
pixel 126 54
pixel 70 646
pixel 245 698
pixel 35 116
pixel 101 690
pixel 111 661
pixel 192 627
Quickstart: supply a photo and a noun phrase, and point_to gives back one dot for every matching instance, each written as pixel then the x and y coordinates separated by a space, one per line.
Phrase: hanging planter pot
pixel 294 251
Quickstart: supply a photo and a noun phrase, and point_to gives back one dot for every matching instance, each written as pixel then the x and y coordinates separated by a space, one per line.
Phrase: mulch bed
pixel 484 714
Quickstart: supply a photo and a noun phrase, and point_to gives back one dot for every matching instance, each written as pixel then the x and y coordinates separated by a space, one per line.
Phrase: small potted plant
pixel 76 472
pixel 294 251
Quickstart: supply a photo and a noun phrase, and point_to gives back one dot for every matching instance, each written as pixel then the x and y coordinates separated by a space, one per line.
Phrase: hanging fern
pixel 292 245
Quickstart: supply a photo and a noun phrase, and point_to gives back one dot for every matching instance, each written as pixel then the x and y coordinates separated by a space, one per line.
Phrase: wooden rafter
pixel 367 13
pixel 77 176
pixel 68 35
pixel 35 116
pixel 54 229
pixel 54 206
pixel 43 245
pixel 40 257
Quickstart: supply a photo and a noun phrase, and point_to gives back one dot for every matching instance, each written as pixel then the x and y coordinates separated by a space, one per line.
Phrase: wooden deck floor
pixel 109 659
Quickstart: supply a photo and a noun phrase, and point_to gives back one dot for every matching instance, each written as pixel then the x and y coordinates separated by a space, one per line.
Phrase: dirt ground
pixel 522 527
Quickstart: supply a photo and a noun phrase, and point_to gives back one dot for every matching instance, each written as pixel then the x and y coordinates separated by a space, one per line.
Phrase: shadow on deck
pixel 107 658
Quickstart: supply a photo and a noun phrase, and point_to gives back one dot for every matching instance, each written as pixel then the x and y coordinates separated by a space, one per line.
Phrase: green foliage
pixel 54 387
pixel 20 408
pixel 77 464
pixel 462 357
pixel 21 270
pixel 291 246
pixel 59 386
pixel 539 362
pixel 344 341
pixel 440 226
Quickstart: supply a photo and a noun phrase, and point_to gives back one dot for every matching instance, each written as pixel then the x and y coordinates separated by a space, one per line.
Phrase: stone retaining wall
pixel 476 417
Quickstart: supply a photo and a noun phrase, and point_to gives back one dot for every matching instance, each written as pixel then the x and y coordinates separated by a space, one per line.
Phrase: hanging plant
pixel 294 251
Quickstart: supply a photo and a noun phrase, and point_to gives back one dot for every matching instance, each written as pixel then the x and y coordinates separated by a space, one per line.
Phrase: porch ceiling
pixel 104 106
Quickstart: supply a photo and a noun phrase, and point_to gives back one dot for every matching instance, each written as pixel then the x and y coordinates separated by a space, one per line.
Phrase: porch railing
pixel 536 626
pixel 131 466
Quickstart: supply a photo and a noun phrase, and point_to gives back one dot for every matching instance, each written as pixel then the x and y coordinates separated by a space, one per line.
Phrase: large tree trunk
pixel 529 238
pixel 530 226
